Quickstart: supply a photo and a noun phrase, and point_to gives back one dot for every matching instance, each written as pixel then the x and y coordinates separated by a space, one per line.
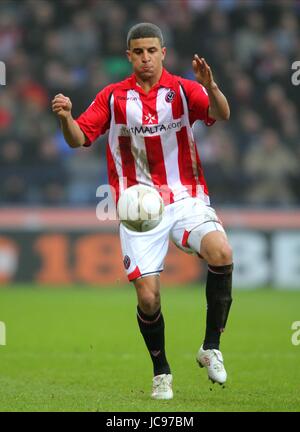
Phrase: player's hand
pixel 62 105
pixel 203 72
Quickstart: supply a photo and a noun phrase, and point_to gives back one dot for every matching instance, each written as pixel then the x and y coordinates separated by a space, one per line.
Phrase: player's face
pixel 146 56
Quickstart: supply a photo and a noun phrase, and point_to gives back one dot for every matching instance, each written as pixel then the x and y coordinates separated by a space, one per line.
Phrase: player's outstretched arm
pixel 62 107
pixel 219 108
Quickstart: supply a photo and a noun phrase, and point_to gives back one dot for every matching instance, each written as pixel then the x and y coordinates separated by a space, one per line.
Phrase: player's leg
pixel 143 255
pixel 152 327
pixel 200 231
pixel 215 249
pixel 151 321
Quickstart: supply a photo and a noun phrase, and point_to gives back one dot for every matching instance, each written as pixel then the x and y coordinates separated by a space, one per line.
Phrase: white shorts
pixel 144 252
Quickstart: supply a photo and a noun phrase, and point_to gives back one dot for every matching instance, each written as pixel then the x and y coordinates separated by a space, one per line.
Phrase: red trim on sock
pixel 212 271
pixel 148 322
pixel 219 268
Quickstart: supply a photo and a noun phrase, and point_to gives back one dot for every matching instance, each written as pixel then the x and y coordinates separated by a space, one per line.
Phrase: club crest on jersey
pixel 170 96
pixel 126 262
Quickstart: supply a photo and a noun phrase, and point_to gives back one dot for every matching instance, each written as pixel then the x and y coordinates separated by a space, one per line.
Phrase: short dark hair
pixel 145 30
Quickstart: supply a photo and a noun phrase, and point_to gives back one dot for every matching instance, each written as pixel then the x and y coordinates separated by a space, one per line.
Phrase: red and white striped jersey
pixel 150 137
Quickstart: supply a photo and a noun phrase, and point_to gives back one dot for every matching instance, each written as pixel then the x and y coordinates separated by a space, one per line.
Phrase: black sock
pixel 218 296
pixel 152 328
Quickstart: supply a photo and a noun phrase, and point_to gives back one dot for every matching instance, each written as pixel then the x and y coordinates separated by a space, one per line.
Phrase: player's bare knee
pixel 221 255
pixel 149 301
pixel 148 295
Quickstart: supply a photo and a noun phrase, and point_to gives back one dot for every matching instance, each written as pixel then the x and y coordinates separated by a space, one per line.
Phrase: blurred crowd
pixel 76 47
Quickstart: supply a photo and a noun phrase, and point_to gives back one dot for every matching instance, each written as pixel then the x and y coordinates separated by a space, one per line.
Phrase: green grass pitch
pixel 80 350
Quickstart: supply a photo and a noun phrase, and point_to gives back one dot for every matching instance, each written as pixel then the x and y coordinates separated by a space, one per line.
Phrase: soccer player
pixel 149 116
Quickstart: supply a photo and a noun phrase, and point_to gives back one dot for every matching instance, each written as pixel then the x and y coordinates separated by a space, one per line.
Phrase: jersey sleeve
pixel 198 102
pixel 94 121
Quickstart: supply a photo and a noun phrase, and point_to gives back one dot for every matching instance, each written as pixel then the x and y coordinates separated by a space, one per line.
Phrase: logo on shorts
pixel 170 96
pixel 126 262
